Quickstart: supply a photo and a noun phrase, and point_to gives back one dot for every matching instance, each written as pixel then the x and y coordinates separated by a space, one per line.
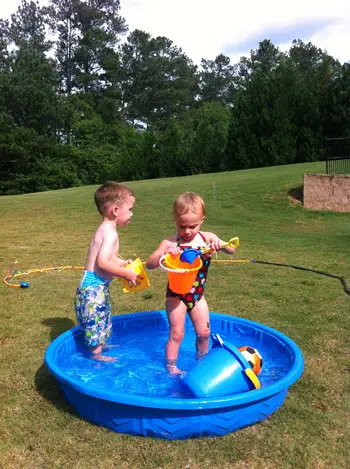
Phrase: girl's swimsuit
pixel 191 298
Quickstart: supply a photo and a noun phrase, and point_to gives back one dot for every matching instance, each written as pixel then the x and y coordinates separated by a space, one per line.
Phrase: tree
pixel 317 71
pixel 337 110
pixel 30 95
pixel 306 57
pixel 87 35
pixel 63 22
pixel 263 120
pixel 210 123
pixel 29 81
pixel 26 28
pixel 100 26
pixel 170 154
pixel 159 80
pixel 266 58
pixel 217 80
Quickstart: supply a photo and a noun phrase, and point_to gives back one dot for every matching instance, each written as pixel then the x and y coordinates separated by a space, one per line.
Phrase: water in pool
pixel 140 365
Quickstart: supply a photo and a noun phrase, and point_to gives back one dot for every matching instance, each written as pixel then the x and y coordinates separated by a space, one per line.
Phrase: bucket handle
pixel 177 271
pixel 162 266
pixel 218 342
pixel 253 378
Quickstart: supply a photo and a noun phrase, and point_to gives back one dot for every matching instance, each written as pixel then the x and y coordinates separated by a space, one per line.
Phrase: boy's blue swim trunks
pixel 93 313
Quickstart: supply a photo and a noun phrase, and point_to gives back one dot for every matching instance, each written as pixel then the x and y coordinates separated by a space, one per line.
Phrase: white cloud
pixel 336 40
pixel 204 29
pixel 7 8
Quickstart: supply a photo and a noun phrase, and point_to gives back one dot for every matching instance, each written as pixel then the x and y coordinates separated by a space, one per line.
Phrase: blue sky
pixel 204 29
pixel 278 34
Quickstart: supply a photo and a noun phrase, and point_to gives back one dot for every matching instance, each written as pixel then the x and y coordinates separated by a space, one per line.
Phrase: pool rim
pixel 180 404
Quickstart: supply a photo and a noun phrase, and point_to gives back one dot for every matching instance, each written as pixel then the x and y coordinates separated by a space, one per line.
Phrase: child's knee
pixel 204 332
pixel 177 335
pixel 203 337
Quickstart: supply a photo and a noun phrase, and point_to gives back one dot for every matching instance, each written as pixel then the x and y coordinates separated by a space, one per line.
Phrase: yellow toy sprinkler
pixel 136 266
pixel 15 274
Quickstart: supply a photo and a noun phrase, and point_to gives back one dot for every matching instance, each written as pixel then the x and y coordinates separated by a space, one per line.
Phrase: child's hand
pixel 128 261
pixel 133 278
pixel 174 251
pixel 216 245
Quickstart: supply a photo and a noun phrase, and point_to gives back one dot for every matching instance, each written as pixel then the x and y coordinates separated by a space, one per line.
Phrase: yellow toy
pixel 189 255
pixel 11 275
pixel 137 267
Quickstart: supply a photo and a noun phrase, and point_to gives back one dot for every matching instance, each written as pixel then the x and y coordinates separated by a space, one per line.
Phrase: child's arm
pixel 120 261
pixel 215 243
pixel 106 259
pixel 164 247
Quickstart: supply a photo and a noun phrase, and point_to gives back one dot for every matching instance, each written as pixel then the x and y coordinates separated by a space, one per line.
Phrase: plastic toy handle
pixel 217 340
pixel 233 243
pixel 166 269
pixel 253 378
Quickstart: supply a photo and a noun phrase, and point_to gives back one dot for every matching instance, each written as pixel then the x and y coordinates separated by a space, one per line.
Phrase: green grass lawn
pixel 39 429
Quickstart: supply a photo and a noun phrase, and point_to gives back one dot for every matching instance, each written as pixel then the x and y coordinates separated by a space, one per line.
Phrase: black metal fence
pixel 337 155
pixel 338 165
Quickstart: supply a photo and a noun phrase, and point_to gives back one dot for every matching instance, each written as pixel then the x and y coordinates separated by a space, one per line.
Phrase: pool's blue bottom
pixel 136 396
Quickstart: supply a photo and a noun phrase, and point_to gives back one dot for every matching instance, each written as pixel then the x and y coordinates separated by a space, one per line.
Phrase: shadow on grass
pixel 297 194
pixel 46 384
pixel 58 326
pixel 48 387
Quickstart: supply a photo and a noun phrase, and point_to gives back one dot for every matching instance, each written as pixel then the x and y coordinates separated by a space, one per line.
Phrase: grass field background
pixel 39 429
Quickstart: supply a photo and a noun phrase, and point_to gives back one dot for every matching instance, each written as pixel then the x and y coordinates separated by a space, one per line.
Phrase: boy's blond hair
pixel 111 193
pixel 188 202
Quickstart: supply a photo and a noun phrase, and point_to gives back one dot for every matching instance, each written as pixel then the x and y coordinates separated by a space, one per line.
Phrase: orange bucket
pixel 181 275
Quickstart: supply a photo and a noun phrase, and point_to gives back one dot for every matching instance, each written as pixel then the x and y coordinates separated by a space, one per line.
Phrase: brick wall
pixel 327 192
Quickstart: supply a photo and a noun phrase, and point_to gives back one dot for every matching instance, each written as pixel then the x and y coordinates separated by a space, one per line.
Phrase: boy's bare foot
pixel 174 370
pixel 102 358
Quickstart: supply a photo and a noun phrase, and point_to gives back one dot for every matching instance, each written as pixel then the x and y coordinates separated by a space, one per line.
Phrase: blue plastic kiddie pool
pixel 135 395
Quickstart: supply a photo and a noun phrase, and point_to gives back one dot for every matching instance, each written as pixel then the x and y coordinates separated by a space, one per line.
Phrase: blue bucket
pixel 221 372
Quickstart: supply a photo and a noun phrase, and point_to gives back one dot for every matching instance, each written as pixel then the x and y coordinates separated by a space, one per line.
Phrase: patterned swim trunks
pixel 93 313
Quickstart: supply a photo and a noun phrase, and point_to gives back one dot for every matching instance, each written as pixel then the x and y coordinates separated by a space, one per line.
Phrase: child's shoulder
pixel 106 230
pixel 172 239
pixel 209 236
pixel 167 242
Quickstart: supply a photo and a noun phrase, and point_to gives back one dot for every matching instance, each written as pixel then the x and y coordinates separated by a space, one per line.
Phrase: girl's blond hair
pixel 188 202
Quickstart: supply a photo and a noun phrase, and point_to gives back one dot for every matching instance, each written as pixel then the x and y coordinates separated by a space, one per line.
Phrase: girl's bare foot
pixel 200 355
pixel 174 370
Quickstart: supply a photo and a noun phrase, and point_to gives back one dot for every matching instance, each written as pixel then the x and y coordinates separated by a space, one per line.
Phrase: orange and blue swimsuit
pixel 191 298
